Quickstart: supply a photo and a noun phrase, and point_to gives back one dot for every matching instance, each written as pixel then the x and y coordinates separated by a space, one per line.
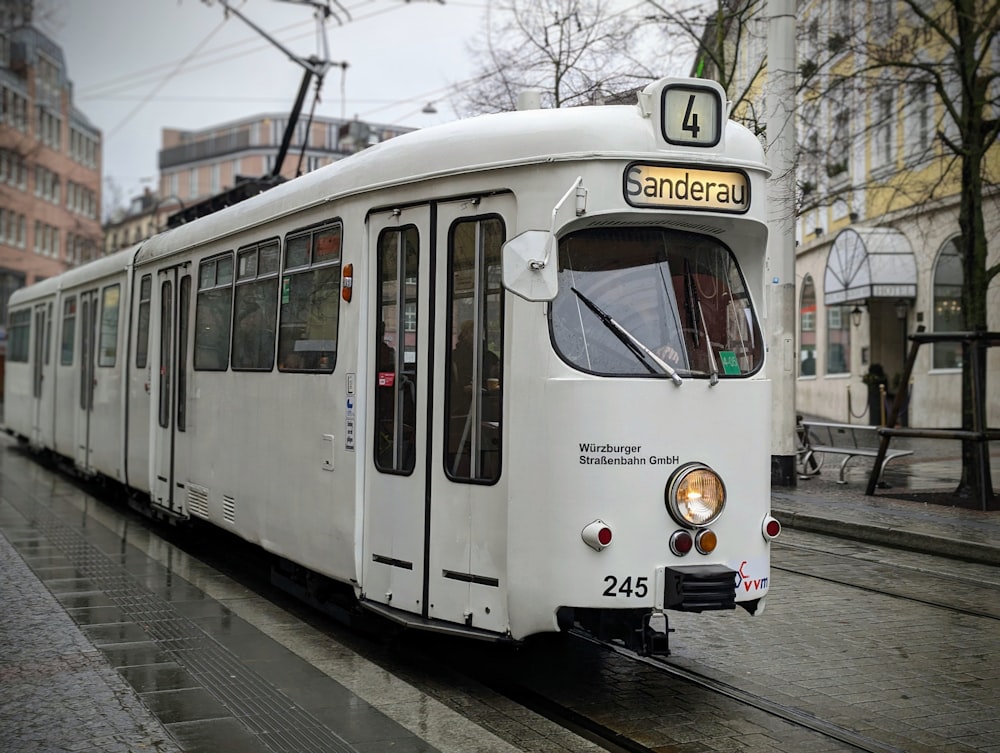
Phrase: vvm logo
pixel 749 584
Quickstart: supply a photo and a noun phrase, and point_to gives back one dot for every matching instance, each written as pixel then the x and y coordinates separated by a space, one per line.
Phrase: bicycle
pixel 807 461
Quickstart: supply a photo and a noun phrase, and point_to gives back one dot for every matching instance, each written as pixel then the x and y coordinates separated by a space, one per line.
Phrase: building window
pixel 948 282
pixel 9 282
pixel 917 122
pixel 807 326
pixel 885 123
pixel 838 160
pixel 838 340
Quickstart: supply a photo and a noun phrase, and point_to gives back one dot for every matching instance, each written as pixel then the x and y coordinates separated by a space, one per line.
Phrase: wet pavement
pixel 900 514
pixel 112 640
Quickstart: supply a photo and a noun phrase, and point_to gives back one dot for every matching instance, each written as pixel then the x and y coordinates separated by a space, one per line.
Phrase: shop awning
pixel 869 263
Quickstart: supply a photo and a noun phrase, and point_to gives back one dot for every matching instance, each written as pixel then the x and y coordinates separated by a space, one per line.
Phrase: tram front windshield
pixel 626 295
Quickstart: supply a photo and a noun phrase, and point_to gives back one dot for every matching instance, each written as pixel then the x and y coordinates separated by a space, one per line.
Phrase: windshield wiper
pixel 693 296
pixel 629 340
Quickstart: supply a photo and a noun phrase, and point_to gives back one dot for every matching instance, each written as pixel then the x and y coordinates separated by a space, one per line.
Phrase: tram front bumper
pixel 699 588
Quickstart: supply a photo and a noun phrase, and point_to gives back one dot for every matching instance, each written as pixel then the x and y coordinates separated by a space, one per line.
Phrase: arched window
pixel 807 328
pixel 838 340
pixel 948 280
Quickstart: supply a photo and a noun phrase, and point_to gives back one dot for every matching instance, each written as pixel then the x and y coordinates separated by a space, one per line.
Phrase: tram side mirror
pixel 526 270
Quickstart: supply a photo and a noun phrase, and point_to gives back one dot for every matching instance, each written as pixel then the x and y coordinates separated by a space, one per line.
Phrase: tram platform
pixel 112 640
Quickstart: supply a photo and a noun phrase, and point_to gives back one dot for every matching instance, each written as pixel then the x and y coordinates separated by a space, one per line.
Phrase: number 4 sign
pixel 692 115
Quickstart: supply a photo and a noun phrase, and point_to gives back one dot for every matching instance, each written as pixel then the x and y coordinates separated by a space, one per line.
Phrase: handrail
pixel 974 344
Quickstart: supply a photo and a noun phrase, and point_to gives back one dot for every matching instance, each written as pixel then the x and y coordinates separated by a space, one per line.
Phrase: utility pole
pixel 780 105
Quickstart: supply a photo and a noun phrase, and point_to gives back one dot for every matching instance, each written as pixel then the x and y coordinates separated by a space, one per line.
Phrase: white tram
pixel 495 378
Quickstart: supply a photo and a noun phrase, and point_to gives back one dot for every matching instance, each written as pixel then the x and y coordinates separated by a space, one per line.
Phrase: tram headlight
pixel 695 495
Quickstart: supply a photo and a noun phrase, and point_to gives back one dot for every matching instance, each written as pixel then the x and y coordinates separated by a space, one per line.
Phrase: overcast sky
pixel 141 65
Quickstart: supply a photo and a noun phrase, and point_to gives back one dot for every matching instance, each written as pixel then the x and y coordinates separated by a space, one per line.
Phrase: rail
pixel 851 441
pixel 974 430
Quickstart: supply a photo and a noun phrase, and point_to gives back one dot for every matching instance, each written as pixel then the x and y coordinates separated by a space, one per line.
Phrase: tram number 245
pixel 627 587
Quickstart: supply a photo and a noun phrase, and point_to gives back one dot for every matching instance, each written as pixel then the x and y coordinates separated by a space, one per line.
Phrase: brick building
pixel 50 160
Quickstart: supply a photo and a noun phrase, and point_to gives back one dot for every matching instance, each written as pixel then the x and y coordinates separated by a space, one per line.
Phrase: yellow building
pixel 878 202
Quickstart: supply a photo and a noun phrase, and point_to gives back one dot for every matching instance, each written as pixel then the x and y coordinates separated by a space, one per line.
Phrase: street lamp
pixel 856 316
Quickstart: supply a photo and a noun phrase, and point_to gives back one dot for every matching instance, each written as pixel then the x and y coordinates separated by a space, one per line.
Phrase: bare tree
pixel 722 33
pixel 572 51
pixel 942 58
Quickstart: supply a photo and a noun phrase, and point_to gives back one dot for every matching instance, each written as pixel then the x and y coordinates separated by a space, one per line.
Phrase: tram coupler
pixel 654 635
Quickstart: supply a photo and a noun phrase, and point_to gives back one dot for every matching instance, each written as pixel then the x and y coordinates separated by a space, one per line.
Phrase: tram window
pixel 310 300
pixel 213 314
pixel 395 377
pixel 255 308
pixel 166 362
pixel 142 336
pixel 473 397
pixel 184 304
pixel 680 294
pixel 88 305
pixel 39 346
pixel 107 349
pixel 20 330
pixel 48 333
pixel 68 331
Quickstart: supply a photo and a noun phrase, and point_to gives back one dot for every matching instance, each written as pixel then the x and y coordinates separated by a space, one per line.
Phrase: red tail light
pixel 597 535
pixel 771 528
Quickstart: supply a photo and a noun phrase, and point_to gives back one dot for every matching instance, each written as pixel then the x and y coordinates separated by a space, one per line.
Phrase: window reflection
pixel 680 294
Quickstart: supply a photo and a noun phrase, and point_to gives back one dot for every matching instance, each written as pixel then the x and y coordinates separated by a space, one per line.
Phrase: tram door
pixel 40 423
pixel 168 353
pixel 89 302
pixel 467 558
pixel 397 375
pixel 435 538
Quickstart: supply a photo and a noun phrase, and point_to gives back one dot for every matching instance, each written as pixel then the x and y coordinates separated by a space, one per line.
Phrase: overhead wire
pixel 113 87
pixel 166 79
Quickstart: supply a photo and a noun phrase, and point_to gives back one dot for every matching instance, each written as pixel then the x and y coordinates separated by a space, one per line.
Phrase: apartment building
pixel 50 160
pixel 878 201
pixel 225 163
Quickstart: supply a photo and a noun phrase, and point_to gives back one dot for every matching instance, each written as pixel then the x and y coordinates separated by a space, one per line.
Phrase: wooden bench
pixel 844 439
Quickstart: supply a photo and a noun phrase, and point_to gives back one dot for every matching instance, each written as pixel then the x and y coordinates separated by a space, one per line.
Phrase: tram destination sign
pixel 686 187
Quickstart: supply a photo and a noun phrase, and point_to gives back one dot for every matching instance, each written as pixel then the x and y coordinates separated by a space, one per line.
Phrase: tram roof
pixel 482 143
pixel 104 266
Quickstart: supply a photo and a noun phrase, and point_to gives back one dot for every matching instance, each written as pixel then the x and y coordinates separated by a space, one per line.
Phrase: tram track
pixel 786 713
pixel 921 585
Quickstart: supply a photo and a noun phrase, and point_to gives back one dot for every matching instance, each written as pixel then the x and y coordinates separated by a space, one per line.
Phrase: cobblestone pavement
pixel 57 691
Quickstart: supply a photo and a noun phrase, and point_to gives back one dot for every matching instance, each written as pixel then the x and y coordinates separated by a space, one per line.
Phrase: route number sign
pixel 692 115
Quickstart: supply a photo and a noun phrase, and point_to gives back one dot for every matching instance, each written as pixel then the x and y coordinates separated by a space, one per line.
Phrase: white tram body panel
pixel 29 396
pixel 421 372
pixel 69 397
